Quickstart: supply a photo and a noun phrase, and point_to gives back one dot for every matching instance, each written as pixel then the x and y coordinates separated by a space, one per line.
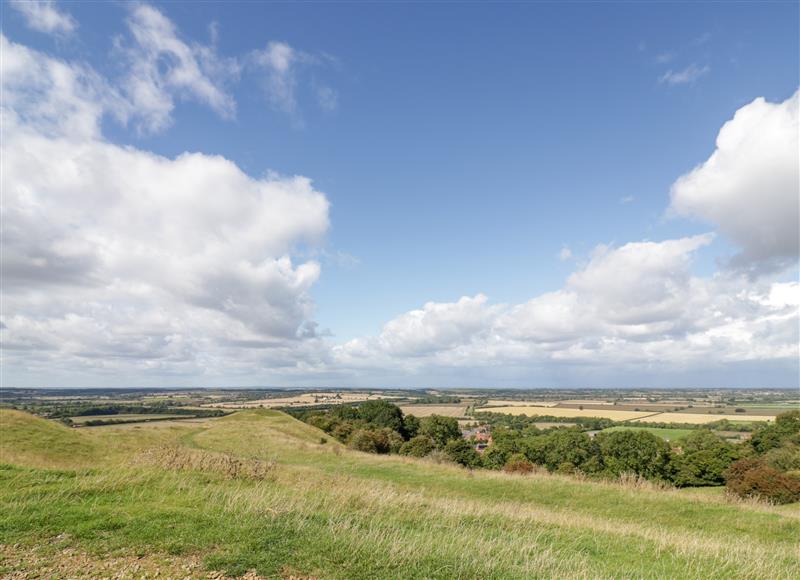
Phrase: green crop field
pixel 665 433
pixel 257 492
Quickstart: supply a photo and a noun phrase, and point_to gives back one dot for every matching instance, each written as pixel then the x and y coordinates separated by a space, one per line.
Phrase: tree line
pixel 767 466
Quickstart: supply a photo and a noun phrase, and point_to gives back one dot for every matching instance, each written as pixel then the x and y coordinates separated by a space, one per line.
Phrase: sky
pixel 387 194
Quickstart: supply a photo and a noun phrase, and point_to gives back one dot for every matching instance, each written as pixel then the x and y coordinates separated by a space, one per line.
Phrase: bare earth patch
pixel 23 562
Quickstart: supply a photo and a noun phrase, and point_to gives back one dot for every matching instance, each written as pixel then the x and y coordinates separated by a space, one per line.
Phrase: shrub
pixel 419 446
pixel 381 414
pixel 785 429
pixel 519 465
pixel 375 441
pixel 753 478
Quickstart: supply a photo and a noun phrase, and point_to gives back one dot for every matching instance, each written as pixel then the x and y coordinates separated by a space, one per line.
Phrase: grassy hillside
pixel 258 490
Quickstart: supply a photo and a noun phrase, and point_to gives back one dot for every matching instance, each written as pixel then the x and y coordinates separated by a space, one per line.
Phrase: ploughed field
pixel 259 493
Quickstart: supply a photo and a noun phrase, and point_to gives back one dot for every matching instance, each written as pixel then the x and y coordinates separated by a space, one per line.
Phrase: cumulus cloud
pixel 119 260
pixel 684 76
pixel 162 67
pixel 44 16
pixel 750 186
pixel 630 306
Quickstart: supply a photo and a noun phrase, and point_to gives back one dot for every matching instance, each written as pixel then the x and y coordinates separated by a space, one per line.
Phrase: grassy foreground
pixel 258 491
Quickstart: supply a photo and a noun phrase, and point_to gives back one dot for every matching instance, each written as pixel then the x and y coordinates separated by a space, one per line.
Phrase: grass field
pixel 87 501
pixel 668 434
pixel 561 412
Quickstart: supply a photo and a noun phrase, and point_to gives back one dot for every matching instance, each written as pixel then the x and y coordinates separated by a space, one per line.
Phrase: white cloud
pixel 161 67
pixel 627 199
pixel 627 307
pixel 685 76
pixel 750 186
pixel 279 60
pixel 43 16
pixel 116 260
pixel 564 254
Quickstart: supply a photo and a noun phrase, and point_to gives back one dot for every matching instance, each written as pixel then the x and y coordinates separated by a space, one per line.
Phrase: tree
pixel 564 450
pixel 382 414
pixel 704 460
pixel 440 429
pixel 635 451
pixel 418 446
pixel 410 426
pixel 461 452
pixel 786 428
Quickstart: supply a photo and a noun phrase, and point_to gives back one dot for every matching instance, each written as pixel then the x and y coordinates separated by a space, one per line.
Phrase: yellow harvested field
pixel 303 400
pixel 700 418
pixel 561 412
pixel 501 403
pixel 428 410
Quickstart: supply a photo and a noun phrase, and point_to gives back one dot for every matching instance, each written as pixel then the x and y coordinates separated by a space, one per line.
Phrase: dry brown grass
pixel 228 466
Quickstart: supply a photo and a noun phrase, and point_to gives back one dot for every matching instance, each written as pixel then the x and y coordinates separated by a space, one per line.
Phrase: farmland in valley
pixel 531 411
pixel 700 418
pixel 428 410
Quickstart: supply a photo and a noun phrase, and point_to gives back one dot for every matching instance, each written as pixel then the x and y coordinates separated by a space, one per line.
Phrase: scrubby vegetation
pixel 701 458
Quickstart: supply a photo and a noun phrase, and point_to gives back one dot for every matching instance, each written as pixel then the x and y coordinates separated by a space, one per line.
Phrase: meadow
pixel 260 493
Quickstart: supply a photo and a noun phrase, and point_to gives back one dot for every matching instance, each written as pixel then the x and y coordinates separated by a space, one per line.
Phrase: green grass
pixel 334 513
pixel 131 418
pixel 664 433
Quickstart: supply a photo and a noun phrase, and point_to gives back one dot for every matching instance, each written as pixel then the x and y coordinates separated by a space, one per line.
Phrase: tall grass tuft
pixel 228 466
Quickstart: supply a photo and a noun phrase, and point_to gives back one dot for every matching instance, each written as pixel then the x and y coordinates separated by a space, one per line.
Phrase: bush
pixel 753 478
pixel 419 446
pixel 381 414
pixel 519 465
pixel 375 441
pixel 785 429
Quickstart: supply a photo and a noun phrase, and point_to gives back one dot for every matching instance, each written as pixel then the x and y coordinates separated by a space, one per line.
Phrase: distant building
pixel 480 436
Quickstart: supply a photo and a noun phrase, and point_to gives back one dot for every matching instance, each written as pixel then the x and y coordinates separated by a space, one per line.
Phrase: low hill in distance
pixel 259 493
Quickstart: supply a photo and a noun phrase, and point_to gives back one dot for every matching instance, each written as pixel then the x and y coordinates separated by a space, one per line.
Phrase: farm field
pixel 304 400
pixel 512 403
pixel 428 410
pixel 87 501
pixel 701 418
pixel 667 434
pixel 561 412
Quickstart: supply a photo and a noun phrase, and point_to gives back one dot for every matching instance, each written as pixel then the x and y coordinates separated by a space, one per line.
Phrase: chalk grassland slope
pixel 333 513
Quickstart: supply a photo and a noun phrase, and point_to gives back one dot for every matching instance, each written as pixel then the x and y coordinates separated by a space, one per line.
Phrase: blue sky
pixel 462 147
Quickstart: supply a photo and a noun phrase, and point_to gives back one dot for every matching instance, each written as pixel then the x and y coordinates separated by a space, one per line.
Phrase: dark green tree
pixel 440 429
pixel 703 460
pixel 462 452
pixel 634 451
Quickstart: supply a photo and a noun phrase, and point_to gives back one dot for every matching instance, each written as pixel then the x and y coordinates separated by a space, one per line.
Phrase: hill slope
pixel 205 495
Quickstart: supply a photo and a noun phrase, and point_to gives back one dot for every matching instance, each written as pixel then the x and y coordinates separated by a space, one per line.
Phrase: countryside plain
pixel 265 483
